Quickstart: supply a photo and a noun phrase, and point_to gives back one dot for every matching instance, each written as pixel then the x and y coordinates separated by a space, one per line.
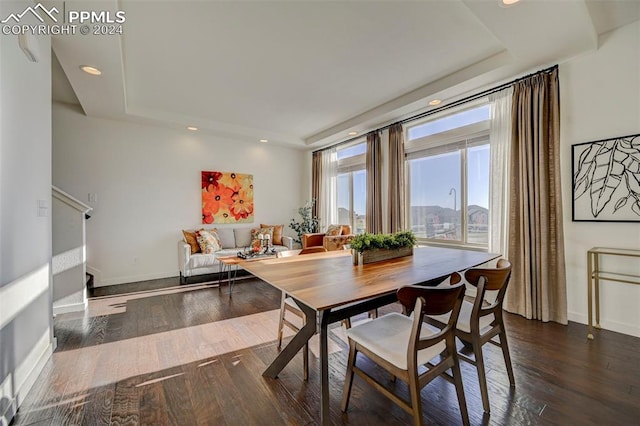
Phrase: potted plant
pixel 308 224
pixel 367 248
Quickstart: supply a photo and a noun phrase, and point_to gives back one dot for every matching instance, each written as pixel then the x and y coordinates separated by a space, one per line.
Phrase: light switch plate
pixel 43 208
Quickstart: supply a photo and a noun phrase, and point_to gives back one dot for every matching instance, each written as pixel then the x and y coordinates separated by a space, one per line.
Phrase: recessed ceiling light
pixel 435 102
pixel 509 2
pixel 352 133
pixel 90 70
pixel 192 128
pixel 264 140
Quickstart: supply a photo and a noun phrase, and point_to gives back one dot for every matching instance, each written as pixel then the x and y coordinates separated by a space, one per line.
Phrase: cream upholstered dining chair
pixel 400 344
pixel 287 304
pixel 481 319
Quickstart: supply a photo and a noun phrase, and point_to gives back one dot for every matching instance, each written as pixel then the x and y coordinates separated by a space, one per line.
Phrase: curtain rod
pixel 454 104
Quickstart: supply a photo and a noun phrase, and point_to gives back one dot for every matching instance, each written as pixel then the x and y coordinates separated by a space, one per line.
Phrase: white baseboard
pixel 8 413
pixel 10 409
pixel 135 278
pixel 72 307
pixel 577 317
pixel 97 275
pixel 618 327
pixel 24 377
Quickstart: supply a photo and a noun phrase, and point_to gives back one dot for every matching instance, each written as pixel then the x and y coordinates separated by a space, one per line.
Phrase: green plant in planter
pixel 366 241
pixel 308 224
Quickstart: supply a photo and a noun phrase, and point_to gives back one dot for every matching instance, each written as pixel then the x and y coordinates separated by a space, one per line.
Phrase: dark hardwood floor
pixel 191 355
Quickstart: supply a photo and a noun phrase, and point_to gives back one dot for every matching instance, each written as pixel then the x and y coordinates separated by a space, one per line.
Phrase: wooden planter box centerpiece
pixel 369 248
pixel 377 255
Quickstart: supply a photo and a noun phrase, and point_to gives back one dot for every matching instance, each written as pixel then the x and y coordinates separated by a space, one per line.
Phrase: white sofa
pixel 233 240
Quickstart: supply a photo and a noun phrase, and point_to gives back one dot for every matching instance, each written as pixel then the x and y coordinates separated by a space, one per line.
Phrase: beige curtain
pixel 374 183
pixel 396 215
pixel 536 247
pixel 500 156
pixel 328 200
pixel 316 179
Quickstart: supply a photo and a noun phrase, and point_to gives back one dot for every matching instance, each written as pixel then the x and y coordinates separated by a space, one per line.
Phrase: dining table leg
pixel 300 339
pixel 324 367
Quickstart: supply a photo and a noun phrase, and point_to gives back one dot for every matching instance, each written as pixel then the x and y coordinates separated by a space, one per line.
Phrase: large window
pixel 352 187
pixel 448 176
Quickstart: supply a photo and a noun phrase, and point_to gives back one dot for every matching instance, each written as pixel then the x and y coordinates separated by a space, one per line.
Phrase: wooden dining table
pixel 329 288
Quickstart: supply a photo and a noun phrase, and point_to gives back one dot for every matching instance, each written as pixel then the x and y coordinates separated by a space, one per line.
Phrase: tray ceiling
pixel 305 73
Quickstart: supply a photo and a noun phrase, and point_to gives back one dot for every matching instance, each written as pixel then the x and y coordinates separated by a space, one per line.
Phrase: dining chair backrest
pixel 445 301
pixel 495 279
pixel 432 301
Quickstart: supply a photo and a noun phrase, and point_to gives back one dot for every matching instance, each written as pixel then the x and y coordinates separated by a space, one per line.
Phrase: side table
pixel 594 275
pixel 232 263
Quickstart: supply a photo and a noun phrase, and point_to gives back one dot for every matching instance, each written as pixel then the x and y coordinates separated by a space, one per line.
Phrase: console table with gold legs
pixel 594 275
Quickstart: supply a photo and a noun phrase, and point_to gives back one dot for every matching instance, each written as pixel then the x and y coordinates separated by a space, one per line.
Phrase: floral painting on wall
pixel 227 197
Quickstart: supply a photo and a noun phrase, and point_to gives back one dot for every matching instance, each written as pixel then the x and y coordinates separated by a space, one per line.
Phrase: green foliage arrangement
pixel 366 241
pixel 308 224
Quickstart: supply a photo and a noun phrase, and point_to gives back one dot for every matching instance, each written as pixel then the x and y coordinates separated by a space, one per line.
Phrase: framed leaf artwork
pixel 606 180
pixel 227 197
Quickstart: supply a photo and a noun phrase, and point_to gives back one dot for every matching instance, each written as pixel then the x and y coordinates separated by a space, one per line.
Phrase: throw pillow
pixel 208 241
pixel 261 231
pixel 337 243
pixel 333 230
pixel 277 233
pixel 190 238
pixel 214 233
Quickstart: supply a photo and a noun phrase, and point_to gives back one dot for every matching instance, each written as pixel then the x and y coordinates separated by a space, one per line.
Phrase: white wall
pixel 68 262
pixel 147 181
pixel 25 237
pixel 600 98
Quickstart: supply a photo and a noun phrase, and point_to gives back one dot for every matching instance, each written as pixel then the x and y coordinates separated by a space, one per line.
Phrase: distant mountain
pixel 438 214
pixel 474 208
pixel 432 215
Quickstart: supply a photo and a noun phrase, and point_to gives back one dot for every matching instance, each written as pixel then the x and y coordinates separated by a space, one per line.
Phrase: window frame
pixel 349 166
pixel 458 139
pixel 355 162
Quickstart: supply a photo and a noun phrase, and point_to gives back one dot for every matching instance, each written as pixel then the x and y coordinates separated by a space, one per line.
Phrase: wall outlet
pixel 92 197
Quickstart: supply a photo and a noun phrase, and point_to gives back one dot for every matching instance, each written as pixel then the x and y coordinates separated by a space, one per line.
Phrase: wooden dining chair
pixel 400 344
pixel 481 320
pixel 287 304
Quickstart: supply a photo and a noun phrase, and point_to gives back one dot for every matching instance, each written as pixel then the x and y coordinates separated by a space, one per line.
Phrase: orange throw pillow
pixel 190 238
pixel 277 233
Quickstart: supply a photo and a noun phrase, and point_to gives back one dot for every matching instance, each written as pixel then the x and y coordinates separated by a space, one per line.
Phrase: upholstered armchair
pixel 329 242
